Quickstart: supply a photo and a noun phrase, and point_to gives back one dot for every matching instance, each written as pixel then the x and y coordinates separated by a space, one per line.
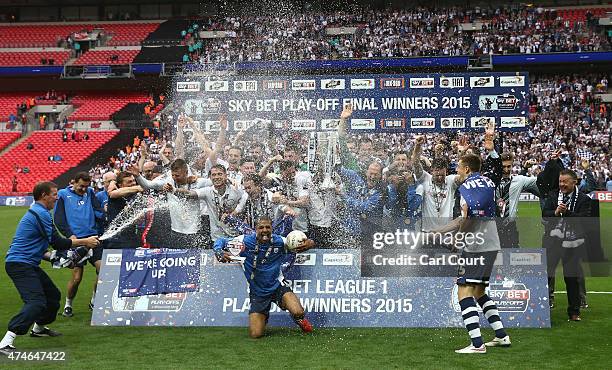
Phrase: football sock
pixel 68 303
pixel 8 339
pixel 469 312
pixel 38 329
pixel 490 312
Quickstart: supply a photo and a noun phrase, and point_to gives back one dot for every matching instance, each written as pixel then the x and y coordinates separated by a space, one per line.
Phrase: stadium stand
pixel 105 57
pixel 130 33
pixel 7 138
pixel 34 58
pixel 36 161
pixel 394 33
pixel 49 35
pixel 166 33
pixel 9 102
pixel 100 107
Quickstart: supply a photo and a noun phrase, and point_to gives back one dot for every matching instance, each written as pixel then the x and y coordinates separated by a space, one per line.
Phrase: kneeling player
pixel 263 255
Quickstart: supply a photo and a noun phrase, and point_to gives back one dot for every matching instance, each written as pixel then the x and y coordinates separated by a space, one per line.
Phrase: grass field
pixel 583 345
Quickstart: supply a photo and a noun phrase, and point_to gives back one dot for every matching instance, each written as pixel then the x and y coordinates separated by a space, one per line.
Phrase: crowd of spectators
pixel 391 33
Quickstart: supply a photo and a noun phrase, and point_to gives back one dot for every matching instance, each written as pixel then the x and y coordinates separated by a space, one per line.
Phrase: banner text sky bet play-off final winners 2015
pixel 381 103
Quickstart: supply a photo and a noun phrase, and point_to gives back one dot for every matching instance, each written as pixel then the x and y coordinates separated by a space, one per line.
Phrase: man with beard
pixel 263 254
pixel 507 194
pixel 257 153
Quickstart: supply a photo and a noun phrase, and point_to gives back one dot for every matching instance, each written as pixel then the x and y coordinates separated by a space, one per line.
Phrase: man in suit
pixel 564 235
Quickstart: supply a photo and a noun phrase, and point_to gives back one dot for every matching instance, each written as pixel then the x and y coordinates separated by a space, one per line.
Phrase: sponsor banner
pixel 385 98
pixel 497 102
pixel 528 197
pixel 333 293
pixel 188 86
pixel 212 126
pixel 303 124
pixel 305 259
pixel 513 122
pixel 337 259
pixel 393 123
pixel 333 84
pixel 363 124
pixel 480 122
pixel 195 107
pixel 452 122
pixel 303 85
pixel 16 201
pixel 242 86
pixel 507 81
pixel 215 86
pixel 482 81
pixel 243 125
pixel 422 83
pixel 423 123
pixel 602 196
pixel 362 84
pixel 158 271
pixel 452 82
pixel 330 124
pixel 525 259
pixel 392 83
pixel 275 85
pixel 280 124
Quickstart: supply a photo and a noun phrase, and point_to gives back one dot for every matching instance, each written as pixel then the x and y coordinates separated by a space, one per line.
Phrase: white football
pixel 294 239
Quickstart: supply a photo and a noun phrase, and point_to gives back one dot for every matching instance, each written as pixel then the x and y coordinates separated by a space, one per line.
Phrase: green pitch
pixel 584 345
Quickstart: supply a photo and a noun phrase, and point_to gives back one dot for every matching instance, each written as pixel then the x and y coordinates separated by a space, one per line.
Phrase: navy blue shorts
pixel 476 273
pixel 97 254
pixel 263 304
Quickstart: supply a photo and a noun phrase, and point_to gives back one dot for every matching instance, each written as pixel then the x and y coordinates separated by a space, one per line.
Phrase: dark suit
pixel 571 222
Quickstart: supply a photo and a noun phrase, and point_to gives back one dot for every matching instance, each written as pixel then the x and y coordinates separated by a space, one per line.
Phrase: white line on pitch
pixel 564 292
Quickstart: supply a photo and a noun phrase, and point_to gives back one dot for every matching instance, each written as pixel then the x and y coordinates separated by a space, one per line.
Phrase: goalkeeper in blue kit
pixel 263 254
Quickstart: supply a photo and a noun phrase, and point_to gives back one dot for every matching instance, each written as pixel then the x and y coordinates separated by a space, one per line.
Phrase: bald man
pixel 148 170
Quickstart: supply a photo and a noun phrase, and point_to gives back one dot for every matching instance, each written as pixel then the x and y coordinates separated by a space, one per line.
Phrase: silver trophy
pixel 324 156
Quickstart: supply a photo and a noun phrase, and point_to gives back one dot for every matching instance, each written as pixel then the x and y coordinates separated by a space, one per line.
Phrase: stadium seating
pixel 46 143
pixel 33 58
pixel 13 36
pixel 105 57
pixel 6 138
pixel 9 102
pixel 100 107
pixel 130 33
